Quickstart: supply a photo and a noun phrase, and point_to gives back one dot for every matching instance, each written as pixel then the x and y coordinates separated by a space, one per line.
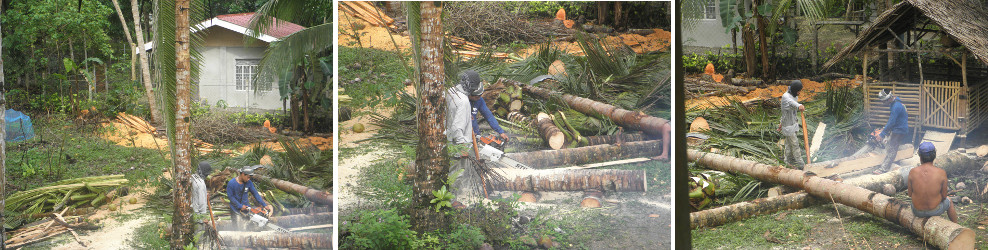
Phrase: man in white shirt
pixel 789 125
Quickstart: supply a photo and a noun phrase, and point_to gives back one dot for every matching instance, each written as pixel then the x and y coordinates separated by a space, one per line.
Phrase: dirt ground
pixel 116 227
pixel 381 38
pixel 810 90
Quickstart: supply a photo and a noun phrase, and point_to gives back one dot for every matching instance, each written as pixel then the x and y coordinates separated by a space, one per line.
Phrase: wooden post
pixel 964 102
pixel 806 138
pixel 864 79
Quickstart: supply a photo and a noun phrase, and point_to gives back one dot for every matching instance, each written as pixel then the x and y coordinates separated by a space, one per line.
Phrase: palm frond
pixel 281 56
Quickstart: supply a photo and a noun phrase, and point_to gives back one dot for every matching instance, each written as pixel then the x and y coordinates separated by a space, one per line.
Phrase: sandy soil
pixel 113 234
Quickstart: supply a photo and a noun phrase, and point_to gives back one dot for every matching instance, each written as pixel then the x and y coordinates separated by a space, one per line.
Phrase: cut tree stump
pixel 936 230
pixel 585 155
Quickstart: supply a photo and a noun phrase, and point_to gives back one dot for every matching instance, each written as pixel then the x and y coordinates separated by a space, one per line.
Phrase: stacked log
pixel 935 230
pixel 550 133
pixel 136 123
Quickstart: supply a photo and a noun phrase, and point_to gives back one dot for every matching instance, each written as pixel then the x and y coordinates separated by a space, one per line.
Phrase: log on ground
pixel 276 240
pixel 287 221
pixel 317 196
pixel 589 154
pixel 612 139
pixel 550 133
pixel 571 180
pixel 737 211
pixel 630 119
pixel 935 230
pixel 307 210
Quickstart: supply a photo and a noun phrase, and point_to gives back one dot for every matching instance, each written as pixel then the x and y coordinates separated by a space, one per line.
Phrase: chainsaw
pixel 258 217
pixel 493 150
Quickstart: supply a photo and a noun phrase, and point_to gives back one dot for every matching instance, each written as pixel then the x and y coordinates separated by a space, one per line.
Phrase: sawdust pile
pixel 810 90
pixel 370 36
pixel 322 143
pixel 126 136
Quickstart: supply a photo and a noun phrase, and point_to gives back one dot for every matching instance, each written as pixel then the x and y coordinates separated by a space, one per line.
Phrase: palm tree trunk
pixel 750 56
pixel 762 42
pixel 130 42
pixel 316 196
pixel 3 145
pixel 182 226
pixel 586 155
pixel 145 68
pixel 935 230
pixel 431 158
pixel 276 240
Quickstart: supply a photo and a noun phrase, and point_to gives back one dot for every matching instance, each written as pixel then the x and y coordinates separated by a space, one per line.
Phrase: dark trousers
pixel 891 150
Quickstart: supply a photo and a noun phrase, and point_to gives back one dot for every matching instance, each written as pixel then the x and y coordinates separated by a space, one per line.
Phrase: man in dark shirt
pixel 238 190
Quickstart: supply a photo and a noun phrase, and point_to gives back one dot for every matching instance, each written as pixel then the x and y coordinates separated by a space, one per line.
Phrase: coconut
pixel 699 125
pixel 358 128
pixel 133 200
pixel 527 197
pixel 961 185
pixel 113 207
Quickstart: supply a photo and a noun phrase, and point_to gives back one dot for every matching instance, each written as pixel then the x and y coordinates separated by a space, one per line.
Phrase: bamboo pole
pixel 934 230
pixel 571 180
pixel 277 240
pixel 589 154
pixel 312 194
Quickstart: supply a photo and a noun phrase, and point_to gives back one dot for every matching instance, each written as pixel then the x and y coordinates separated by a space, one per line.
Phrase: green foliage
pixel 380 229
pixel 443 198
pixel 465 236
pixel 381 74
pixel 492 218
pixel 381 183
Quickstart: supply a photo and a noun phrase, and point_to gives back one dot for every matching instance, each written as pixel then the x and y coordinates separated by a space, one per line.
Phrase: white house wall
pixel 218 78
pixel 709 33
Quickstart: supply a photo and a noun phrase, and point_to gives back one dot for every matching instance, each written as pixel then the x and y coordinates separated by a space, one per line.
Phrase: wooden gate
pixel 941 105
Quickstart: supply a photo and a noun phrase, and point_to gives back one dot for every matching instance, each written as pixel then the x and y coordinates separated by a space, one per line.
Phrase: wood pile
pixel 136 122
pixel 366 11
pixel 43 230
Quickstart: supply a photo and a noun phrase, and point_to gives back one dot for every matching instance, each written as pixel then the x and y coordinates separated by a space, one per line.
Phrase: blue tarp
pixel 19 126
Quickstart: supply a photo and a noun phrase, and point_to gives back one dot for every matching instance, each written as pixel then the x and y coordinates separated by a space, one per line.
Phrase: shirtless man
pixel 928 186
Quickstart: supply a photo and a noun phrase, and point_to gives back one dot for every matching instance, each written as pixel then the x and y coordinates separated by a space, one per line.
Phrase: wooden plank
pixel 818 137
pixel 941 140
pixel 609 163
pixel 873 159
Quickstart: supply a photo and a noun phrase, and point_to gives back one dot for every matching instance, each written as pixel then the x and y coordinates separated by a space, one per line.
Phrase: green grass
pixel 381 74
pixel 62 150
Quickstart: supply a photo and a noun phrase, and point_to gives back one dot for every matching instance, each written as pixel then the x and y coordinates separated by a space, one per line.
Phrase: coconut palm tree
pixel 177 55
pixel 431 158
pixel 3 144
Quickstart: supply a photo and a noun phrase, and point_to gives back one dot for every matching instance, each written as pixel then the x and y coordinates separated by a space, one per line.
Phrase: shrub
pixel 465 236
pixel 380 229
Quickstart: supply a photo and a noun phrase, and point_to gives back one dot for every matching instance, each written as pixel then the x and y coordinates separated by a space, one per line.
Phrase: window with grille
pixel 710 10
pixel 246 71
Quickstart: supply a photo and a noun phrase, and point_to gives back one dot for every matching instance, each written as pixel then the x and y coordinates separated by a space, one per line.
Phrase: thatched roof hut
pixel 936 98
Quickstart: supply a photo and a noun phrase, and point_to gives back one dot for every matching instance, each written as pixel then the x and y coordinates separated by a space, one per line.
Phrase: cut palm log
pixel 585 155
pixel 307 210
pixel 311 194
pixel 935 230
pixel 550 133
pixel 612 139
pixel 856 163
pixel 276 240
pixel 297 220
pixel 630 119
pixel 515 106
pixel 737 211
pixel 571 180
pixel 955 164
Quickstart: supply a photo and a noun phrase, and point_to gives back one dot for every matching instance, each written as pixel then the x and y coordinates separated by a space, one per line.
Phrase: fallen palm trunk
pixel 298 220
pixel 276 240
pixel 590 154
pixel 571 180
pixel 307 210
pixel 550 133
pixel 630 119
pixel 934 230
pixel 612 139
pixel 955 163
pixel 312 194
pixel 743 210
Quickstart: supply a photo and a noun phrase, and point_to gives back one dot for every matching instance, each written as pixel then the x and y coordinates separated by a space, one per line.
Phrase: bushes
pixel 380 229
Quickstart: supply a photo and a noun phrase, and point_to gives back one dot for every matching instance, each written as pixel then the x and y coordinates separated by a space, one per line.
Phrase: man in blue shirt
pixel 238 190
pixel 475 87
pixel 895 130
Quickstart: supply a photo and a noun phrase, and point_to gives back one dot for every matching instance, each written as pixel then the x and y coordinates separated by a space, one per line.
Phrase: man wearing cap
pixel 789 125
pixel 238 191
pixel 928 186
pixel 894 131
pixel 463 103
